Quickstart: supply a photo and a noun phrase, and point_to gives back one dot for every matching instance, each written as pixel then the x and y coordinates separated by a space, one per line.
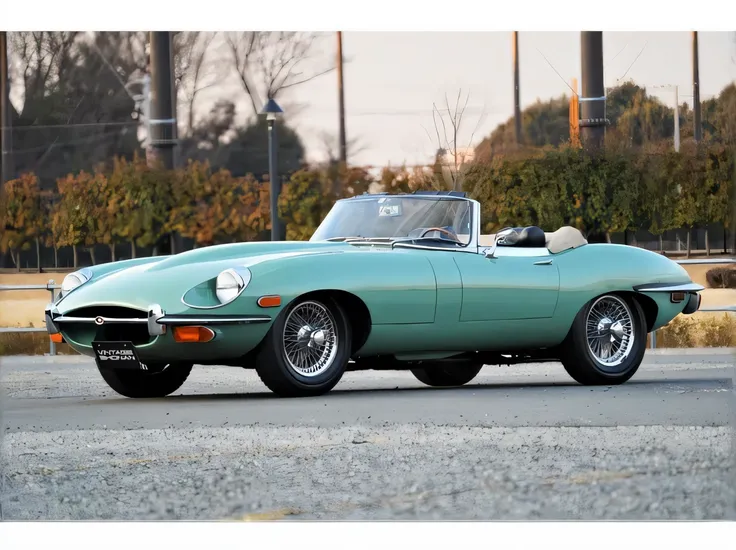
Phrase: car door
pixel 519 283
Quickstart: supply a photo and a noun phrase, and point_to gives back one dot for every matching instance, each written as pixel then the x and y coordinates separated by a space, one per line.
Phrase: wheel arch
pixel 356 310
pixel 648 306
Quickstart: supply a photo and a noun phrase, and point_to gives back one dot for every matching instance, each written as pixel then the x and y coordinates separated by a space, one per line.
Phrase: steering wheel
pixel 441 230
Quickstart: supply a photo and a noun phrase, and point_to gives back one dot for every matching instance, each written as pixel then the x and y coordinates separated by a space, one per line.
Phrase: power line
pixel 80 125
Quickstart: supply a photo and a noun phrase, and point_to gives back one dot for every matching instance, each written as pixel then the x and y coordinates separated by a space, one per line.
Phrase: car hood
pixel 164 280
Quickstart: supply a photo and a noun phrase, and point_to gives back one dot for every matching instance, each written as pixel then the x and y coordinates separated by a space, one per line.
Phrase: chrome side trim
pixel 212 320
pixel 427 247
pixel 668 287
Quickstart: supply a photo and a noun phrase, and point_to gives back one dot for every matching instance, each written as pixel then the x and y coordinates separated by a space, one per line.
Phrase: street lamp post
pixel 676 134
pixel 272 112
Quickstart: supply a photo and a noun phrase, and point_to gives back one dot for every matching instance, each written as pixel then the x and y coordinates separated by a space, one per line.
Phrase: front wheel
pixel 307 349
pixel 444 376
pixel 607 341
pixel 159 380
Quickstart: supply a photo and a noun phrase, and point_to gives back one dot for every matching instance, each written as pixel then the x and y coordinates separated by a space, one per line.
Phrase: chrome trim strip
pixel 113 320
pixel 666 287
pixel 181 320
pixel 427 247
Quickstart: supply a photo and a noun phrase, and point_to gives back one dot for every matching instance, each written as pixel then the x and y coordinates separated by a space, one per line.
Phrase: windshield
pixel 398 218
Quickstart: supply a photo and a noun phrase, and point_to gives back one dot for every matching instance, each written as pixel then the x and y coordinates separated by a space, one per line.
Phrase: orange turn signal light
pixel 193 334
pixel 269 301
pixel 57 338
pixel 677 297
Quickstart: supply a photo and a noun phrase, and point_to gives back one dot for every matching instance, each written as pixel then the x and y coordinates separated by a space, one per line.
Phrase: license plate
pixel 116 355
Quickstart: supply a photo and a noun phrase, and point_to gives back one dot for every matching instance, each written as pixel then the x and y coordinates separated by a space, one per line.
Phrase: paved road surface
pixel 520 442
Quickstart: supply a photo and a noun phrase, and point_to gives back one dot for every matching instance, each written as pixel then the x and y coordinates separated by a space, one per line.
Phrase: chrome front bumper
pixel 155 318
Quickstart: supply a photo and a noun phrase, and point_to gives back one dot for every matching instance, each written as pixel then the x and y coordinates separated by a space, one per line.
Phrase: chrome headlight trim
pixel 74 280
pixel 231 283
pixel 240 276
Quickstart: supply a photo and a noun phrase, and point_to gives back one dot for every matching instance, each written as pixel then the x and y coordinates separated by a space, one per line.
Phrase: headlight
pixel 74 280
pixel 231 283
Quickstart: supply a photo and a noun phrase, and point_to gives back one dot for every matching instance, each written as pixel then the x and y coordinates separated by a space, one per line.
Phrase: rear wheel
pixel 159 380
pixel 438 375
pixel 307 349
pixel 607 341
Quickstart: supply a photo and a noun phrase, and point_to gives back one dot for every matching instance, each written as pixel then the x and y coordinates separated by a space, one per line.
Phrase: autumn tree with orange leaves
pixel 23 217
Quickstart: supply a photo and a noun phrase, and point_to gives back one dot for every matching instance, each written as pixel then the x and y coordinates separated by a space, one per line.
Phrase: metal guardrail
pixel 700 261
pixel 52 287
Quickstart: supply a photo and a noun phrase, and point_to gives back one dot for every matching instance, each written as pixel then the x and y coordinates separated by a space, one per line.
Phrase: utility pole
pixel 163 115
pixel 8 170
pixel 676 133
pixel 698 131
pixel 677 120
pixel 517 102
pixel 593 109
pixel 341 101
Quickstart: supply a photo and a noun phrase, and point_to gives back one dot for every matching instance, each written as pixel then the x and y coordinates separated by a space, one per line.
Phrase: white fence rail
pixel 52 287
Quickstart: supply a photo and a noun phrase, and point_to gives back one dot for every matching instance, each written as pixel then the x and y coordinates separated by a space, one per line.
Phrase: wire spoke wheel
pixel 310 339
pixel 609 329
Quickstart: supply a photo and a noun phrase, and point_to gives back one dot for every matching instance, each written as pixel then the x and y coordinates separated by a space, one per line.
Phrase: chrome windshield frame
pixel 473 238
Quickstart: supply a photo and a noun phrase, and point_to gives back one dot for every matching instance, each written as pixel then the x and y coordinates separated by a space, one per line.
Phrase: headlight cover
pixel 230 283
pixel 75 280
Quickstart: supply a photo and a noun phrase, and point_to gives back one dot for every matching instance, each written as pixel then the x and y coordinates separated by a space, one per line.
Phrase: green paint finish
pixel 420 300
pixel 666 310
pixel 231 342
pixel 507 287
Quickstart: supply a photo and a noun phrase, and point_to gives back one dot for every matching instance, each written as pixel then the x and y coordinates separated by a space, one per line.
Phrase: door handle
pixel 543 262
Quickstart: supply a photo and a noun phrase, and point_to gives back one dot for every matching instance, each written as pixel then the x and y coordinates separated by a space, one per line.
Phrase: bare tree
pixel 269 62
pixel 331 147
pixel 196 68
pixel 450 156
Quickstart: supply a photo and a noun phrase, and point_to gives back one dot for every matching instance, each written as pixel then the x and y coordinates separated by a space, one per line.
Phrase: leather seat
pixel 524 237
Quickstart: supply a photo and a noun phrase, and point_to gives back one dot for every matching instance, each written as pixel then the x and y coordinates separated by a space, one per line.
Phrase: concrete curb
pixel 692 351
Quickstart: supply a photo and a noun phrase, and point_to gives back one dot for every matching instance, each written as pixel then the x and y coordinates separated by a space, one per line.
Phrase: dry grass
pixel 30 343
pixel 706 331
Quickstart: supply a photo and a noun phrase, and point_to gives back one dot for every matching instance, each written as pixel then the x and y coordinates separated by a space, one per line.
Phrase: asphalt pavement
pixel 520 442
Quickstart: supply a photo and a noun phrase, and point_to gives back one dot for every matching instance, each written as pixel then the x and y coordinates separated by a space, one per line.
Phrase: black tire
pixel 158 381
pixel 281 375
pixel 581 362
pixel 445 376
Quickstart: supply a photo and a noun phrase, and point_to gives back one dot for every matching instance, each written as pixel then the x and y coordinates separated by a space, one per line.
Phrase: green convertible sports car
pixel 386 282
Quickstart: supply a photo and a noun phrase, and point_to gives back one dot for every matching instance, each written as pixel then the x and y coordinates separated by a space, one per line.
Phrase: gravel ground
pixel 396 472
pixel 397 465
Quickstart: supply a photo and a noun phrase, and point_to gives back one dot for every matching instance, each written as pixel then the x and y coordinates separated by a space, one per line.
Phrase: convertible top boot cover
pixel 564 238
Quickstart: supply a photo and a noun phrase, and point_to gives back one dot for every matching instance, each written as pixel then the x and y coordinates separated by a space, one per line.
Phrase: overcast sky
pixel 393 79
